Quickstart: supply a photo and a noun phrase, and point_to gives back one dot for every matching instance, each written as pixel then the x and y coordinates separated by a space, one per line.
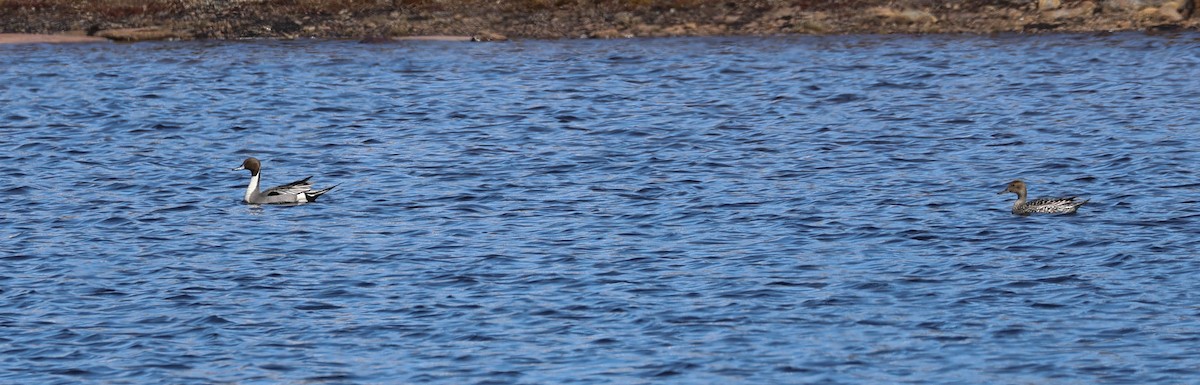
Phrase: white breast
pixel 252 188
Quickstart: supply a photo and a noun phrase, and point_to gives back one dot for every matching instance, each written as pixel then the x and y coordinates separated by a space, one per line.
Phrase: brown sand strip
pixel 434 38
pixel 142 34
pixel 29 38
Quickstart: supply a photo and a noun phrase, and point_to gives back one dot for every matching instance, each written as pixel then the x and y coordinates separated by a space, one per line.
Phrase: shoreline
pixel 63 21
pixel 30 38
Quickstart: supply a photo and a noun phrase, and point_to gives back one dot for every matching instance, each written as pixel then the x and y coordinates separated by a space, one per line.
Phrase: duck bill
pixel 1002 191
pixel 239 168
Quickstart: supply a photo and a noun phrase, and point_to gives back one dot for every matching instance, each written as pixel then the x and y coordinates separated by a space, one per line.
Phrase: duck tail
pixel 1075 206
pixel 311 196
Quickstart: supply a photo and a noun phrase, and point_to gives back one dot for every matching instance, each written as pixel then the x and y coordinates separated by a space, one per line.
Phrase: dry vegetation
pixel 583 18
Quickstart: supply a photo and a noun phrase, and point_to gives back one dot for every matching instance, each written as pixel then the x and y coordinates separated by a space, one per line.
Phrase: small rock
pixel 811 26
pixel 625 19
pixel 911 16
pixel 643 29
pixel 919 17
pixel 784 13
pixel 1174 10
pixel 1083 10
pixel 1121 6
pixel 675 30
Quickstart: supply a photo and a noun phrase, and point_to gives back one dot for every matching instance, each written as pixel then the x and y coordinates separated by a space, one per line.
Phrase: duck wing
pixel 1065 201
pixel 290 188
pixel 1052 205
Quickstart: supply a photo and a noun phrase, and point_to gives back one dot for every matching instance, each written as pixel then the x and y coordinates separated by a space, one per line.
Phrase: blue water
pixel 707 211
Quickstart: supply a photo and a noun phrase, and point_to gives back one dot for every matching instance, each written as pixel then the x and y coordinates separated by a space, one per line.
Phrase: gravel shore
pixel 383 20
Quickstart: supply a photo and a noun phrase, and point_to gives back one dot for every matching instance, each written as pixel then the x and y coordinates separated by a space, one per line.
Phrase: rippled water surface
pixel 716 210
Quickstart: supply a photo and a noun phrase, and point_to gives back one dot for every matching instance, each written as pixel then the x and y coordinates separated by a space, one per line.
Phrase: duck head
pixel 1016 187
pixel 250 164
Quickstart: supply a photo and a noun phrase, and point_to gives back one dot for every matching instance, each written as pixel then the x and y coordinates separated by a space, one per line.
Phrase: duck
pixel 1067 205
pixel 296 192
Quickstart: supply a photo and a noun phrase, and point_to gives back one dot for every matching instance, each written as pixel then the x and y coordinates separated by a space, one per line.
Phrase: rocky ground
pixel 554 19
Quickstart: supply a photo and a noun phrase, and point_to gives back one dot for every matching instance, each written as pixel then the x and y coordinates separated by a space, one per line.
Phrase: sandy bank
pixel 31 38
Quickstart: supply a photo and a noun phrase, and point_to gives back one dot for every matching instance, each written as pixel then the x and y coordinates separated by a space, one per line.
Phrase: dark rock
pixel 1038 27
pixel 1164 28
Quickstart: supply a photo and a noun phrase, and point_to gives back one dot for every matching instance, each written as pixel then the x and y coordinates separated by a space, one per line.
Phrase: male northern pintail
pixel 1041 205
pixel 296 192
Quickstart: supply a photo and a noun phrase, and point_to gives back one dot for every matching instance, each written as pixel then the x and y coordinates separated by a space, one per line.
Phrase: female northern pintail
pixel 296 192
pixel 1041 205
